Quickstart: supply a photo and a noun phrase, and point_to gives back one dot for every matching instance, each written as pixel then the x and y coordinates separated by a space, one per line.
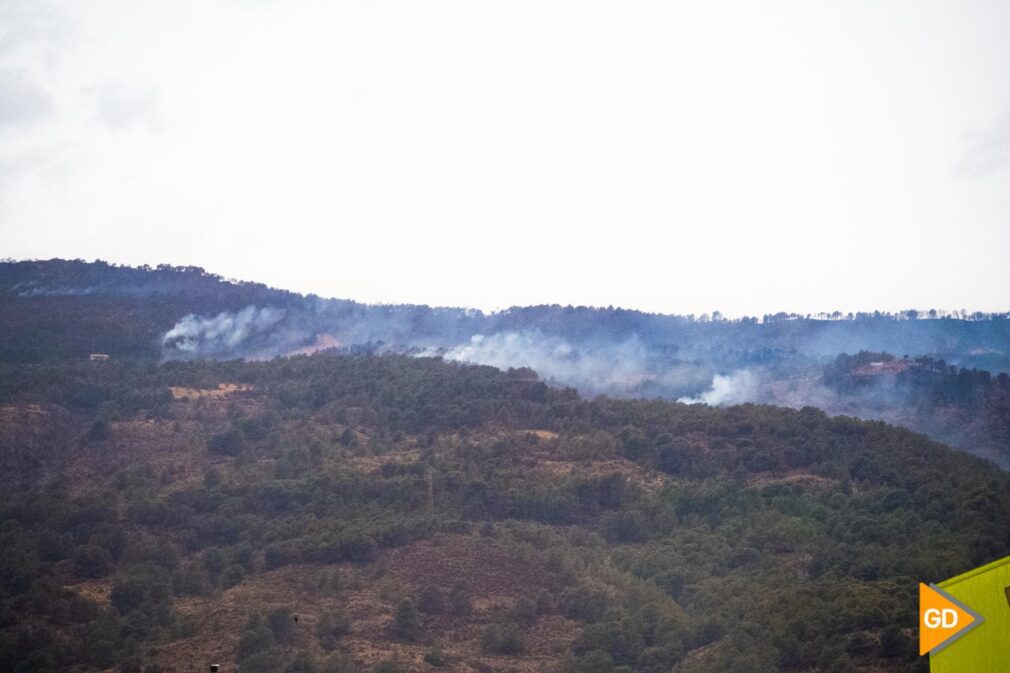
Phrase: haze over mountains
pixel 949 380
pixel 660 458
pixel 195 470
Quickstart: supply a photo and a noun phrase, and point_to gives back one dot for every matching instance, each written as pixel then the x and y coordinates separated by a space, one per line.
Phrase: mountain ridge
pixel 57 309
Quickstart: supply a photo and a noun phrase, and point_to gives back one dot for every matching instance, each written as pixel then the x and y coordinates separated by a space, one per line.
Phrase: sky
pixel 678 157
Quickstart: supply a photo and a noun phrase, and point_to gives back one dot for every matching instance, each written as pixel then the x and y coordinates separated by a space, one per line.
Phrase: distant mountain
pixel 69 308
pixel 161 297
pixel 57 309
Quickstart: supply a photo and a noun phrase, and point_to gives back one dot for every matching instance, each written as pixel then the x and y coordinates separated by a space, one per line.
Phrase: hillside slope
pixel 58 309
pixel 49 298
pixel 407 514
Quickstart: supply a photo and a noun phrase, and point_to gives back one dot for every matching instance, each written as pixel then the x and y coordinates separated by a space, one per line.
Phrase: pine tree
pixel 407 623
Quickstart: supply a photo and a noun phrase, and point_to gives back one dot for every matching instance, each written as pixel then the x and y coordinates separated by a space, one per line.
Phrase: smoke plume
pixel 738 387
pixel 249 332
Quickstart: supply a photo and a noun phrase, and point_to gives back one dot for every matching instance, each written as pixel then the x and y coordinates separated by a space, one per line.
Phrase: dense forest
pixel 183 312
pixel 967 408
pixel 58 309
pixel 351 514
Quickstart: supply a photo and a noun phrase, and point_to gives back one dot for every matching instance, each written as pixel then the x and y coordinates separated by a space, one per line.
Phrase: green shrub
pixel 583 603
pixel 231 576
pixel 434 657
pixel 331 627
pixel 281 623
pixel 504 639
pixel 230 443
pixel 407 622
pixel 430 600
pixel 595 661
pixel 460 603
pixel 525 611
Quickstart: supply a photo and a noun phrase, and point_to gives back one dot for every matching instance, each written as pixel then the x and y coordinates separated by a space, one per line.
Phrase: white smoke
pixel 738 387
pixel 623 369
pixel 225 333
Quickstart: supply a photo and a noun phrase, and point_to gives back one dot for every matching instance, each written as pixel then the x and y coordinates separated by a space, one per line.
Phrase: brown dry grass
pixel 369 594
pixel 542 434
pixel 95 590
pixel 11 412
pixel 373 464
pixel 634 473
pixel 795 478
pixel 167 447
pixel 38 431
pixel 222 390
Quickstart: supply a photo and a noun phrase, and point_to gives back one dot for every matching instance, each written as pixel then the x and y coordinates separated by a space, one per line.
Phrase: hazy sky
pixel 670 156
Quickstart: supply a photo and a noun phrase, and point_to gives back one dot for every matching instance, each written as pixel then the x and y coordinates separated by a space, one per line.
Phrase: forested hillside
pixel 60 309
pixel 356 514
pixel 182 312
pixel 67 308
pixel 966 408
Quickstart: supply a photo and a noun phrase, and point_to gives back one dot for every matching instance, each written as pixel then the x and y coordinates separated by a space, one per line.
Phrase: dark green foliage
pixel 140 586
pixel 99 430
pixel 782 540
pixel 459 599
pixel 504 639
pixel 256 638
pixel 648 639
pixel 431 600
pixel 624 526
pixel 231 576
pixel 594 661
pixel 211 478
pixel 92 561
pixel 131 665
pixel 118 310
pixel 407 621
pixel 230 443
pixel 583 603
pixel 281 622
pixel 894 643
pixel 331 627
pixel 525 611
pixel 191 580
pixel 434 657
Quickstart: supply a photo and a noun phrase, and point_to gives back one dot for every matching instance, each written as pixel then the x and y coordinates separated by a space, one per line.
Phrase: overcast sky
pixel 669 156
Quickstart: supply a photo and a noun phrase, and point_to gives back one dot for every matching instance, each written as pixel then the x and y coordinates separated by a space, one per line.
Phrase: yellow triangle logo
pixel 942 619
